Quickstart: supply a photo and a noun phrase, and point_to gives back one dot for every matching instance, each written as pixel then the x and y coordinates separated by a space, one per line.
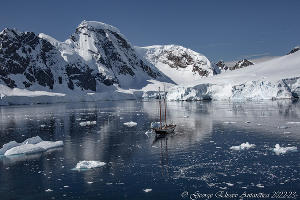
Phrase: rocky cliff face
pixel 295 49
pixel 97 57
pixel 221 66
pixel 26 59
pixel 241 64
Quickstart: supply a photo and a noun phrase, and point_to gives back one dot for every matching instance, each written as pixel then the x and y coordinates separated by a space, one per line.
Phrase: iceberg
pixel 282 150
pixel 29 146
pixel 243 146
pixel 89 164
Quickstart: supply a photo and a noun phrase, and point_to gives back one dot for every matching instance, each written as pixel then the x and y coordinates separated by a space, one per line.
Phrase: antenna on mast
pixel 159 97
pixel 165 106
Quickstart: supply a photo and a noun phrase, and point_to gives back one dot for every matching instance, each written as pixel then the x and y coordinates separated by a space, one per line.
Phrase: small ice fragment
pixel 66 186
pixel 230 184
pixel 282 150
pixel 43 126
pixel 130 124
pixel 147 190
pixel 90 182
pixel 87 123
pixel 229 122
pixel 260 185
pixel 185 116
pixel 293 122
pixel 243 146
pixel 282 127
pixel 89 164
pixel 48 190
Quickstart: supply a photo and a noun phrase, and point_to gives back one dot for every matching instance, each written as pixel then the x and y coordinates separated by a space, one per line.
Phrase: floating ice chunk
pixel 130 124
pixel 282 127
pixel 48 190
pixel 89 164
pixel 147 190
pixel 90 182
pixel 87 123
pixel 46 145
pixel 29 146
pixel 282 150
pixel 8 146
pixel 243 146
pixel 260 185
pixel 24 149
pixel 156 124
pixel 148 132
pixel 229 122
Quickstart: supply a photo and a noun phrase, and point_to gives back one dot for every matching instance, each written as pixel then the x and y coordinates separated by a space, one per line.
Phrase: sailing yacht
pixel 163 128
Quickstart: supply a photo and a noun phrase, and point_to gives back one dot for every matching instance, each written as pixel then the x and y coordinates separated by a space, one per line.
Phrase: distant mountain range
pixel 97 59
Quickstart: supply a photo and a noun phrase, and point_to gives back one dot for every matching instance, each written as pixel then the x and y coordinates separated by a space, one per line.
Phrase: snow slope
pixel 275 79
pixel 181 64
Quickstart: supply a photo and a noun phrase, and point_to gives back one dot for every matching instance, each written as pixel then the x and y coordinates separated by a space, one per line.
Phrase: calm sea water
pixel 193 162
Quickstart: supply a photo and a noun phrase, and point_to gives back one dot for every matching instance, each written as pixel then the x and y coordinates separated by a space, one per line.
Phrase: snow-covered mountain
pixel 98 63
pixel 97 58
pixel 181 64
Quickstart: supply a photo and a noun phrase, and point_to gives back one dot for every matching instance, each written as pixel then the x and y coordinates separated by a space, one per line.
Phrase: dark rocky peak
pixel 222 66
pixel 295 49
pixel 241 64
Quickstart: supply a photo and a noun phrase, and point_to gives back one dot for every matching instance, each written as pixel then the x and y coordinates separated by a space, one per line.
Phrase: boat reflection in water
pixel 164 158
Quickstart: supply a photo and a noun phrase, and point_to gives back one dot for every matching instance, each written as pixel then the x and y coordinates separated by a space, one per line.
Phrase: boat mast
pixel 159 107
pixel 165 106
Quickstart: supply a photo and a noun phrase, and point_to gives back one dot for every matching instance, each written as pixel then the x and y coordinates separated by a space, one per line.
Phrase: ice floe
pixel 282 150
pixel 130 124
pixel 89 164
pixel 87 123
pixel 147 190
pixel 243 146
pixel 29 146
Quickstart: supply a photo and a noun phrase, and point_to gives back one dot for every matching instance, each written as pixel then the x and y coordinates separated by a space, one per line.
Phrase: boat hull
pixel 165 130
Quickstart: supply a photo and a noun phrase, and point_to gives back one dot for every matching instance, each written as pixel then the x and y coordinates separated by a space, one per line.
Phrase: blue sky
pixel 220 29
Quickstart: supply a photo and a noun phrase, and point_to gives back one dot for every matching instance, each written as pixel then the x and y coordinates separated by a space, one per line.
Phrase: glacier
pixel 278 78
